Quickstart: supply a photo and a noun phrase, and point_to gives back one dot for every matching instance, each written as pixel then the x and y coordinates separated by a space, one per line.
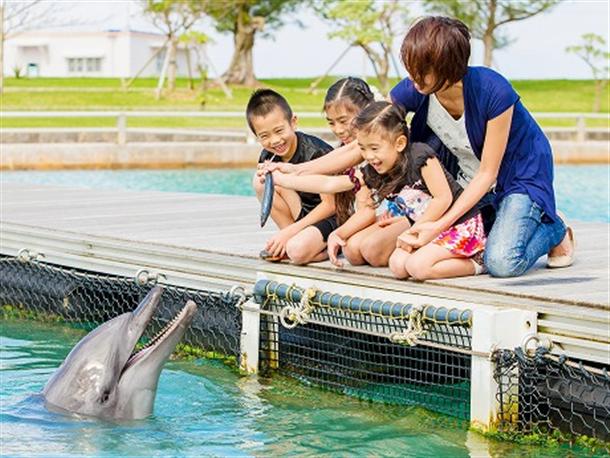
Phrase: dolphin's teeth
pixel 162 332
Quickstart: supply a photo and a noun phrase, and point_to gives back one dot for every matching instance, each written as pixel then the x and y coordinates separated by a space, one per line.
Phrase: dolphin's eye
pixel 105 396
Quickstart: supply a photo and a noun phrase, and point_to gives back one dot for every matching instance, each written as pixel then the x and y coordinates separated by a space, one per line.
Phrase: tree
pixel 486 18
pixel 370 25
pixel 16 17
pixel 594 51
pixel 245 19
pixel 174 18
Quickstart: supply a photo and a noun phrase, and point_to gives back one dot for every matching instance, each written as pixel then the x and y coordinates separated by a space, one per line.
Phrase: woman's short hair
pixel 438 45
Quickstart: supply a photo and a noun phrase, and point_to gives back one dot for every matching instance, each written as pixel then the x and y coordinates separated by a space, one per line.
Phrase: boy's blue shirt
pixel 527 165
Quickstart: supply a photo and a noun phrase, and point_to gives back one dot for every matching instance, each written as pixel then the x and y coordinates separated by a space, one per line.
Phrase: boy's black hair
pixel 264 101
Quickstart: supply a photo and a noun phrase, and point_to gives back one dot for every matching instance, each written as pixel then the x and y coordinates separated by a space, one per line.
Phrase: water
pixel 203 408
pixel 582 191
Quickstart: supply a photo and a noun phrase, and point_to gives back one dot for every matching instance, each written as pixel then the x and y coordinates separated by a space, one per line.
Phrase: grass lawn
pixel 44 94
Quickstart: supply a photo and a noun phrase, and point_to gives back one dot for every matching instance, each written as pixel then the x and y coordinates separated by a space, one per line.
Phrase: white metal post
pixel 250 337
pixel 493 328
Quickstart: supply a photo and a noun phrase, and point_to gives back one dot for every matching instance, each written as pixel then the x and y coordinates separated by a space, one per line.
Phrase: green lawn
pixel 106 94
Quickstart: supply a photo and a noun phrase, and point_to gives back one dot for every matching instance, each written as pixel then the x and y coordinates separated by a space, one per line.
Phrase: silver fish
pixel 267 202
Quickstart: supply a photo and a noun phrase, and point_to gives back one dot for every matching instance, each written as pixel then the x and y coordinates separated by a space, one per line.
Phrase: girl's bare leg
pixel 398 263
pixel 377 247
pixel 351 251
pixel 433 261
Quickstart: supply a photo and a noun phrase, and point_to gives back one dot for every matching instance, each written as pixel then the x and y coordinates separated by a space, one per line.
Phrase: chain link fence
pixel 365 348
pixel 541 393
pixel 381 351
pixel 87 299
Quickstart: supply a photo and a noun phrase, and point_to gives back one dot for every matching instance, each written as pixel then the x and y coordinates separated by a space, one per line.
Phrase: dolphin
pixel 103 377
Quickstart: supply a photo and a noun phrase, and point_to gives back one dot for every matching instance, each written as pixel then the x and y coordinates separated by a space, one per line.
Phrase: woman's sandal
pixel 564 260
pixel 266 256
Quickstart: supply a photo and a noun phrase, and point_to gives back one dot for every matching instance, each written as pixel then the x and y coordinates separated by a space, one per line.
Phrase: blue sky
pixel 537 52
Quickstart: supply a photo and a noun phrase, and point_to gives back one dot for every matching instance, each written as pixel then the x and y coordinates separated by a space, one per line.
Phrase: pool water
pixel 203 408
pixel 582 191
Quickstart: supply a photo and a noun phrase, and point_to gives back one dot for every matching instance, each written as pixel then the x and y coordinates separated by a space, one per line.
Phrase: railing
pixel 122 116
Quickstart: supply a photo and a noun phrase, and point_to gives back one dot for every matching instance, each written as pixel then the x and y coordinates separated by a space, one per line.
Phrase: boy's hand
pixel 334 244
pixel 276 245
pixel 261 170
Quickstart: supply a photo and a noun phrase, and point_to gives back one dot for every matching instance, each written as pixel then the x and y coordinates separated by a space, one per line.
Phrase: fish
pixel 267 201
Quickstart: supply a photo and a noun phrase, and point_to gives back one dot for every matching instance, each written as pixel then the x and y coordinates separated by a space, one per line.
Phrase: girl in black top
pixel 418 188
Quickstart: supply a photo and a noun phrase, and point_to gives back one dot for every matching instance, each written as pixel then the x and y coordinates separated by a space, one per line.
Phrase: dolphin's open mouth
pixel 184 315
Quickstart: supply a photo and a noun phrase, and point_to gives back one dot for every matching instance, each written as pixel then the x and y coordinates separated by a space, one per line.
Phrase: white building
pixel 64 53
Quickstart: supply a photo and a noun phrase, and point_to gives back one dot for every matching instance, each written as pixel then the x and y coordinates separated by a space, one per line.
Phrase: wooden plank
pixel 229 225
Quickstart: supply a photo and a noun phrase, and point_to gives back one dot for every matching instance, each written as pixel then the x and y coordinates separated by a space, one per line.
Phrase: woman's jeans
pixel 519 237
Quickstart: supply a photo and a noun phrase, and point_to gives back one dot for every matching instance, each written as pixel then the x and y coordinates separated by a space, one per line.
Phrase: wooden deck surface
pixel 229 225
pixel 197 239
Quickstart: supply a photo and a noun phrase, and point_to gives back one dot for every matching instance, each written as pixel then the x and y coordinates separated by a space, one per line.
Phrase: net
pixel 544 393
pixel 86 299
pixel 363 347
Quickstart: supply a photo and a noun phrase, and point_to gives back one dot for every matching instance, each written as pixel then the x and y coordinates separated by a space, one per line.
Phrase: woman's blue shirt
pixel 527 165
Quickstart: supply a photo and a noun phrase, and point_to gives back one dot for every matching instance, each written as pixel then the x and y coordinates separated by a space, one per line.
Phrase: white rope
pixel 415 328
pixel 291 316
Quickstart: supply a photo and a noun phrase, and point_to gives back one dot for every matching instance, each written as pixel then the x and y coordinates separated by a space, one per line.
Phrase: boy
pixel 305 220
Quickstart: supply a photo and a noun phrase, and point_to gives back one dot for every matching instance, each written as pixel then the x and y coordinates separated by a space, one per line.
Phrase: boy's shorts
pixel 326 226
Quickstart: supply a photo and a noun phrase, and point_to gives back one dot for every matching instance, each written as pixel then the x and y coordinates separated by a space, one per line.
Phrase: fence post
pixel 249 337
pixel 581 129
pixel 493 328
pixel 121 125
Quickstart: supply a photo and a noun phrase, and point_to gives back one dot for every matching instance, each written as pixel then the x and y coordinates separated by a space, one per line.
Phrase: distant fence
pixel 580 125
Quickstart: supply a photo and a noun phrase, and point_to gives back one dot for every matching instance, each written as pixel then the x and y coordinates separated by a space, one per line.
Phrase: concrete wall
pixel 152 155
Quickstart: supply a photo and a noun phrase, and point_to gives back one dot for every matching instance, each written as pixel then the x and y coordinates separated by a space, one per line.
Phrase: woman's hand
pixel 334 244
pixel 420 235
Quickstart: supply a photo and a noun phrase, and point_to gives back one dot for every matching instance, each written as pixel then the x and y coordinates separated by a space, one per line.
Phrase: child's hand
pixel 334 244
pixel 284 167
pixel 262 170
pixel 385 219
pixel 276 245
pixel 279 178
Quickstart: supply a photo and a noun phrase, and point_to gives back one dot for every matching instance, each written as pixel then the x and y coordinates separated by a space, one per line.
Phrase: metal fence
pixel 45 291
pixel 579 127
pixel 365 348
pixel 380 351
pixel 544 393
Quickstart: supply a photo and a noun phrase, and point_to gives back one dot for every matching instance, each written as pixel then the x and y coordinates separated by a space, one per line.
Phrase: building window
pixel 84 64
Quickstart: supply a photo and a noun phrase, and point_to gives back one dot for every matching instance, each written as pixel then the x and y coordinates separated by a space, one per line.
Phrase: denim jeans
pixel 519 237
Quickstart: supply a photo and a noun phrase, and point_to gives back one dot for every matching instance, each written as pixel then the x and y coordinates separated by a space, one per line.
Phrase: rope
pixel 291 316
pixel 415 328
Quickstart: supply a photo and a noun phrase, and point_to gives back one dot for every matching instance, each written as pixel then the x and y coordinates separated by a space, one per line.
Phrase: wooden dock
pixel 212 242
